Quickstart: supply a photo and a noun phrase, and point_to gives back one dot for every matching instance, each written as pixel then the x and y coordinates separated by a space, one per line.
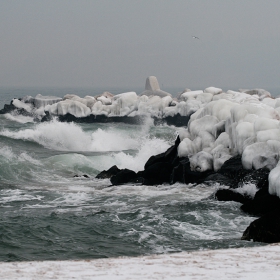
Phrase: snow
pixel 243 263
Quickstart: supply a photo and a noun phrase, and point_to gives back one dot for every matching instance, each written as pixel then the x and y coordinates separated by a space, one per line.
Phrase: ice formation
pixel 222 124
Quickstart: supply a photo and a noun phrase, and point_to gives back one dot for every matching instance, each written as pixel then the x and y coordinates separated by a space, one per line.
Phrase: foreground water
pixel 47 214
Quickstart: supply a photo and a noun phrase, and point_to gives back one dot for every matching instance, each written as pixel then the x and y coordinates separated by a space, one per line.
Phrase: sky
pixel 119 43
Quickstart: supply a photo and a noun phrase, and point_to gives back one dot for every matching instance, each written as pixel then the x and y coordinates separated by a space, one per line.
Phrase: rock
pixel 183 173
pixel 8 108
pixel 157 173
pixel 258 177
pixel 265 229
pixel 220 179
pixel 107 174
pixel 231 195
pixel 168 156
pixel 42 101
pixel 81 176
pixel 123 176
pixel 234 170
pixel 262 205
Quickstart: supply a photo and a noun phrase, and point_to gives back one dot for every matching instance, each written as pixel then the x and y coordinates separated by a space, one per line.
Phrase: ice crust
pixel 221 125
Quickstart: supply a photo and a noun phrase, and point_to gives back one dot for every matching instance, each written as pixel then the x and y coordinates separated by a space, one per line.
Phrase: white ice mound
pixel 69 106
pixel 202 161
pixel 213 90
pixel 274 181
pixel 43 101
pixel 21 105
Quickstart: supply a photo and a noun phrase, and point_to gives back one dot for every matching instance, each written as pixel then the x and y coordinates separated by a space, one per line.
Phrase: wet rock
pixel 231 195
pixel 182 173
pixel 234 170
pixel 157 173
pixel 265 229
pixel 220 179
pixel 169 156
pixel 124 176
pixel 261 205
pixel 81 176
pixel 258 177
pixel 107 174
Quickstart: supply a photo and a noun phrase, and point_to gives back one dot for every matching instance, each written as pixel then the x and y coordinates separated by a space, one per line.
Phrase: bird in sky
pixel 194 37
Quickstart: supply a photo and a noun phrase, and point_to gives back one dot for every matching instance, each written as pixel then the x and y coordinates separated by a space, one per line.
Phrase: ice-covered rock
pixel 42 101
pixel 201 162
pixel 69 106
pixel 274 181
pixel 21 105
pixel 213 90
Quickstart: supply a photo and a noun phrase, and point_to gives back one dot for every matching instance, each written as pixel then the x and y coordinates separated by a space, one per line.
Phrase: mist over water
pixel 47 214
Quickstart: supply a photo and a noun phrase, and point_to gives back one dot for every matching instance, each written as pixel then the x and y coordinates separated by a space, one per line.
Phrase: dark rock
pixel 234 170
pixel 176 120
pixel 47 117
pixel 177 174
pixel 258 177
pixel 124 176
pixel 265 229
pixel 8 108
pixel 167 156
pixel 220 179
pixel 262 205
pixel 231 195
pixel 157 173
pixel 107 174
pixel 79 176
pixel 183 173
pixel 261 192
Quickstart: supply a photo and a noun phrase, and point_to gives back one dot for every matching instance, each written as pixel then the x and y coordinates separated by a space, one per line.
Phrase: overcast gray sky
pixel 105 43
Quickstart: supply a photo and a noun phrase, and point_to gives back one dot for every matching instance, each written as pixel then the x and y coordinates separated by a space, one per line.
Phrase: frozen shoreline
pixel 241 263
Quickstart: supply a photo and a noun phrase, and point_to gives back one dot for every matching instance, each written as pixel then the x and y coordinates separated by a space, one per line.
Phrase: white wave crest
pixel 70 137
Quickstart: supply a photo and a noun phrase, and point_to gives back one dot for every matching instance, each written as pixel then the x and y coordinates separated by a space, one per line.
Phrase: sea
pixel 49 213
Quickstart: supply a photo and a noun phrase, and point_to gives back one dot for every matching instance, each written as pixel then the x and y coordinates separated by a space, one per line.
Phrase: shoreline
pixel 244 263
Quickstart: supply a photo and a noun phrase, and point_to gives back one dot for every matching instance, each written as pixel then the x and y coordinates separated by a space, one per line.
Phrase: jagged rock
pixel 234 170
pixel 265 229
pixel 107 174
pixel 168 156
pixel 8 108
pixel 124 176
pixel 157 173
pixel 261 205
pixel 183 173
pixel 231 195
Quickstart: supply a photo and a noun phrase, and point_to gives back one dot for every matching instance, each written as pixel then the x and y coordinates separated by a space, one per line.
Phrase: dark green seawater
pixel 47 214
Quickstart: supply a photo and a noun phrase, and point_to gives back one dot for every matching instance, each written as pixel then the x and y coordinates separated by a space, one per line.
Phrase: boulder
pixel 234 170
pixel 124 176
pixel 157 173
pixel 168 156
pixel 261 205
pixel 231 195
pixel 108 174
pixel 182 173
pixel 265 229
